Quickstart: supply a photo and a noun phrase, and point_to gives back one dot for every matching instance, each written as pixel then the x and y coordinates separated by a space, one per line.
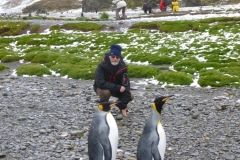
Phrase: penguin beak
pixel 114 103
pixel 165 99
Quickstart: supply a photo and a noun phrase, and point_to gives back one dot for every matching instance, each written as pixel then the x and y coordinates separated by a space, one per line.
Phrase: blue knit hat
pixel 115 49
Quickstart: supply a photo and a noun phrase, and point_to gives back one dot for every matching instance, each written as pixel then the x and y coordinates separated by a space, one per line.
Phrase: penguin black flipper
pixel 104 140
pixel 155 152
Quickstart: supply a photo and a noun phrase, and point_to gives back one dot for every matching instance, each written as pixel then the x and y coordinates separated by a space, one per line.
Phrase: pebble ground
pixel 47 118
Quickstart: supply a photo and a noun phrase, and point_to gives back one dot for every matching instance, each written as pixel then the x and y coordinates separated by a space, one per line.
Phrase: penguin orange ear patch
pixel 100 107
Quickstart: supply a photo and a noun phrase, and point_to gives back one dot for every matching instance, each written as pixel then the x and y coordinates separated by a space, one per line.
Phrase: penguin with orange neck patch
pixel 152 143
pixel 103 134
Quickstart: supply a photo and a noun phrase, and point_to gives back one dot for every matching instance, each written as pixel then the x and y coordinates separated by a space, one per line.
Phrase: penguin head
pixel 106 106
pixel 159 102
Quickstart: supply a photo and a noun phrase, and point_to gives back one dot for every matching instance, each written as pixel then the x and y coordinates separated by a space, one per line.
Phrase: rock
pixel 5 94
pixel 37 119
pixel 195 154
pixel 2 155
pixel 77 132
pixel 195 113
pixel 119 116
pixel 229 157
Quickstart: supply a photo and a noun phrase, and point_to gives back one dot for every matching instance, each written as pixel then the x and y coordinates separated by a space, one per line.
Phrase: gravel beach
pixel 47 118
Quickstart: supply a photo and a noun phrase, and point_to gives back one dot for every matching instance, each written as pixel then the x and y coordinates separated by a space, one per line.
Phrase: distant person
pixel 149 7
pixel 163 6
pixel 145 8
pixel 46 12
pixel 96 8
pixel 175 6
pixel 120 5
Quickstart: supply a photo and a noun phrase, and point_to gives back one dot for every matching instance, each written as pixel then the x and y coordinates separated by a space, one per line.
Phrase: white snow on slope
pixel 14 6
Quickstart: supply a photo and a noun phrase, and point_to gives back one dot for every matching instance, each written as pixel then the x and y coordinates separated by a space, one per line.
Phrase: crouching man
pixel 111 79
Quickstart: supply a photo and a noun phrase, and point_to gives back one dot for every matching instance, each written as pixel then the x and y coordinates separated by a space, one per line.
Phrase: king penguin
pixel 103 134
pixel 152 143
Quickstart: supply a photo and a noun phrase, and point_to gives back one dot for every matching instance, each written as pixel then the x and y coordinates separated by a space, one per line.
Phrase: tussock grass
pixel 55 27
pixel 10 58
pixel 3 67
pixel 3 53
pixel 33 69
pixel 12 28
pixel 215 78
pixel 208 47
pixel 104 16
pixel 142 71
pixel 176 78
pixel 74 71
pixel 83 26
pixel 35 28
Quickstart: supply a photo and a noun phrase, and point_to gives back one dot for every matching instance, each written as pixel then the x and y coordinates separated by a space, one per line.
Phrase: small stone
pixel 77 132
pixel 229 157
pixel 195 154
pixel 223 107
pixel 88 98
pixel 22 118
pixel 42 131
pixel 46 141
pixel 119 116
pixel 74 86
pixel 195 113
pixel 5 94
pixel 2 155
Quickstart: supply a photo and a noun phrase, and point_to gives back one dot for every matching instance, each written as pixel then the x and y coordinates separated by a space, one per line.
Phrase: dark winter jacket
pixel 112 78
pixel 145 7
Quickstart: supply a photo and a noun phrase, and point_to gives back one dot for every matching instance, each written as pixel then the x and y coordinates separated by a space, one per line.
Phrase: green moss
pixel 84 70
pixel 29 56
pixel 158 60
pixel 215 78
pixel 55 27
pixel 79 73
pixel 3 67
pixel 72 59
pixel 10 58
pixel 3 53
pixel 142 71
pixel 104 16
pixel 83 26
pixel 32 69
pixel 35 28
pixel 161 44
pixel 176 78
pixel 44 58
pixel 12 28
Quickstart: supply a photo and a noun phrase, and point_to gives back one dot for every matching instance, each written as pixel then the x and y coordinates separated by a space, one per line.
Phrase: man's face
pixel 114 60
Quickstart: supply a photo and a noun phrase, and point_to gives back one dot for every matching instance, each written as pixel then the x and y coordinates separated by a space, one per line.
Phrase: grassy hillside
pixel 59 5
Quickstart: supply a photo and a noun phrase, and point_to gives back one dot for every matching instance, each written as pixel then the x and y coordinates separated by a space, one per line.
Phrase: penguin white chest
pixel 162 140
pixel 113 134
